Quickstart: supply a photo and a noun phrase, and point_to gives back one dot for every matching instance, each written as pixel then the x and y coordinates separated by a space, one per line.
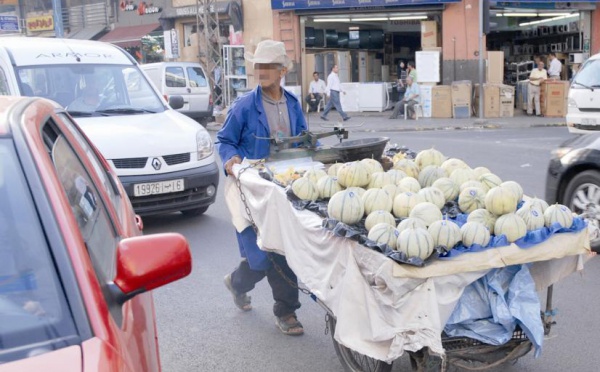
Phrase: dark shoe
pixel 347 118
pixel 241 300
pixel 392 117
pixel 289 325
pixel 324 118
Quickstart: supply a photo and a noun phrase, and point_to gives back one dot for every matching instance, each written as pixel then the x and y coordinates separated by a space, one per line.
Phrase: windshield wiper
pixel 80 113
pixel 586 86
pixel 126 110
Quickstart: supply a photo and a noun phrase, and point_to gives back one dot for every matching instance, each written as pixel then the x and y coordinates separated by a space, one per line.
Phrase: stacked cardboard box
pixel 461 99
pixel 426 99
pixel 429 34
pixel 498 100
pixel 553 98
pixel 495 67
pixel 441 101
pixel 507 101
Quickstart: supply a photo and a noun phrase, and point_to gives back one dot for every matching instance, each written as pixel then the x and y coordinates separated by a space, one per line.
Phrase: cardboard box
pixel 495 67
pixel 429 34
pixel 491 100
pixel 507 101
pixel 426 99
pixel 461 99
pixel 553 98
pixel 441 101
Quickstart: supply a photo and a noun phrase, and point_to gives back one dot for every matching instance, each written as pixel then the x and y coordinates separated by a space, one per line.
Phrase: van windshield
pixel 91 90
pixel 588 75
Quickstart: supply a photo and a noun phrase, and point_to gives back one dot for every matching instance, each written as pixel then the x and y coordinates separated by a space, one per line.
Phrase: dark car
pixel 573 178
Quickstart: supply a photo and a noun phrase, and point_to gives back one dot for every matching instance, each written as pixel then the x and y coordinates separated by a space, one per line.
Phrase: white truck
pixel 583 113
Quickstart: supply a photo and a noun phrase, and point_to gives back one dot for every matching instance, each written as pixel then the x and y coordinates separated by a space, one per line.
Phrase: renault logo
pixel 156 163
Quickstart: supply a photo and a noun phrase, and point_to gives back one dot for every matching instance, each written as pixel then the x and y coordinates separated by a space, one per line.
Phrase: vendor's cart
pixel 378 309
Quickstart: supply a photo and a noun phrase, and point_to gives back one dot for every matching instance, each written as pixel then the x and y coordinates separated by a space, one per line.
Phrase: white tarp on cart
pixel 383 308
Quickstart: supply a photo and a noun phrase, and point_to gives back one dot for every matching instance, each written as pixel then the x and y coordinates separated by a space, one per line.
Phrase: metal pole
pixel 58 23
pixel 481 67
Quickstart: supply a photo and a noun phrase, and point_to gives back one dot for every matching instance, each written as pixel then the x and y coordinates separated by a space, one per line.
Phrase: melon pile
pixel 415 192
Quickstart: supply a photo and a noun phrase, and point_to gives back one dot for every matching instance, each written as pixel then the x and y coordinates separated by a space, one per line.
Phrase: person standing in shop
pixel 536 77
pixel 555 67
pixel 412 71
pixel 334 88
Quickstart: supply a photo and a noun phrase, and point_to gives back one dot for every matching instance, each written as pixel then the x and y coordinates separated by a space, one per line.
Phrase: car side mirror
pixel 176 102
pixel 148 262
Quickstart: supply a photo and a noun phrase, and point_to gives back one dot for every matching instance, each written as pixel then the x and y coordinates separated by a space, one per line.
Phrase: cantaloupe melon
pixel 448 188
pixel 487 218
pixel 327 186
pixel 358 190
pixel 532 215
pixel 354 174
pixel 480 171
pixel 407 166
pixel 376 199
pixel 346 206
pixel 511 226
pixel 489 180
pixel 452 164
pixel 429 174
pixel 305 189
pixel 379 179
pixel 315 174
pixel 373 165
pixel 428 212
pixel 429 157
pixel 445 233
pixel 333 169
pixel 404 203
pixel 475 233
pixel 558 213
pixel 411 223
pixel 540 203
pixel 395 175
pixel 500 200
pixel 477 184
pixel 516 189
pixel 379 216
pixel 410 184
pixel 470 199
pixel 384 234
pixel 392 190
pixel 462 175
pixel 415 242
pixel 433 195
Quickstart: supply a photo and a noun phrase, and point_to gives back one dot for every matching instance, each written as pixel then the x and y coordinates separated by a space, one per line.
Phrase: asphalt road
pixel 200 329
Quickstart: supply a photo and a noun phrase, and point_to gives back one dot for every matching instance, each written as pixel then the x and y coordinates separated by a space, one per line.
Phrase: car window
pixel 4 91
pixel 174 77
pixel 96 228
pixel 34 313
pixel 197 78
pixel 107 185
pixel 589 73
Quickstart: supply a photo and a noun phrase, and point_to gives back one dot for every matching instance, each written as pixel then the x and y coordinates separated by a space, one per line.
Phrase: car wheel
pixel 583 194
pixel 194 212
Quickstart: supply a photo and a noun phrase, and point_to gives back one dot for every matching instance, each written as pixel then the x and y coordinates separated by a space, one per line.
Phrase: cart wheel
pixel 352 360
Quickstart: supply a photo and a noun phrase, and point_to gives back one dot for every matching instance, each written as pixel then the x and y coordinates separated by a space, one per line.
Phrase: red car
pixel 75 271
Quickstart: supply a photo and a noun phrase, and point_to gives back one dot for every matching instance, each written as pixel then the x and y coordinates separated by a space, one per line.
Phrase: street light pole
pixel 481 67
pixel 58 24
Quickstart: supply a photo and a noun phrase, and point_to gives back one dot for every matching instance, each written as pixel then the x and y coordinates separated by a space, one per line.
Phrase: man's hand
pixel 229 164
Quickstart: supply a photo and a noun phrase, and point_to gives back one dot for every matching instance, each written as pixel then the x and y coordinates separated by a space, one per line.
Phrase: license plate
pixel 154 188
pixel 588 121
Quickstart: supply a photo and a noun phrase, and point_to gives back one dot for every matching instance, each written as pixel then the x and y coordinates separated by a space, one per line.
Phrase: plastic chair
pixel 418 110
pixel 320 105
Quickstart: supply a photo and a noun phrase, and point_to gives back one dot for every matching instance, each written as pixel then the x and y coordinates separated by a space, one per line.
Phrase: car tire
pixel 194 212
pixel 577 195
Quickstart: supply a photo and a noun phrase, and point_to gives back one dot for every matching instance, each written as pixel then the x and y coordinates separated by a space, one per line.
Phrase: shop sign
pixel 328 4
pixel 145 8
pixel 219 7
pixel 9 23
pixel 9 2
pixel 127 6
pixel 40 23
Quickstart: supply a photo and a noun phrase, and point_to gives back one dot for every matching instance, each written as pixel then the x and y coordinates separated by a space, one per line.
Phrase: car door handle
pixel 139 222
pixel 189 90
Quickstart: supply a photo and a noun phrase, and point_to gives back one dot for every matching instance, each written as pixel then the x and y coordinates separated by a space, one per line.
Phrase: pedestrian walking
pixel 536 77
pixel 411 98
pixel 267 111
pixel 334 88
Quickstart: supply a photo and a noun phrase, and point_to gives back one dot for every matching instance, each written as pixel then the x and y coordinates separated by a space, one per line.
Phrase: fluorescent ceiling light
pixel 369 19
pixel 549 20
pixel 553 14
pixel 331 20
pixel 520 14
pixel 405 18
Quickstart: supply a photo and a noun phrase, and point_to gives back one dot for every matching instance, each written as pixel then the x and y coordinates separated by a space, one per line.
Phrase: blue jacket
pixel 247 120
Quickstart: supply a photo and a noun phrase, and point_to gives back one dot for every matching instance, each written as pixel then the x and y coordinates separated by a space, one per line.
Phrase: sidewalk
pixel 379 122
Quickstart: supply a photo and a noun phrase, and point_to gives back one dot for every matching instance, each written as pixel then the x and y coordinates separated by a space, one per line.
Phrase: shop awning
pixel 339 4
pixel 127 37
pixel 87 33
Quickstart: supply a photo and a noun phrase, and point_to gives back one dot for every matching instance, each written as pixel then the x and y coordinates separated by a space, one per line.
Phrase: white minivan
pixel 186 79
pixel 583 114
pixel 164 159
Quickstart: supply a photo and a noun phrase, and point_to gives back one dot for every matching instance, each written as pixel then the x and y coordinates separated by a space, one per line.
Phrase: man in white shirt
pixel 334 87
pixel 316 91
pixel 536 77
pixel 555 67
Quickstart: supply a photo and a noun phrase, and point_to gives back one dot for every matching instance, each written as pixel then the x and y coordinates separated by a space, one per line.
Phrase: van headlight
pixel 204 145
pixel 572 103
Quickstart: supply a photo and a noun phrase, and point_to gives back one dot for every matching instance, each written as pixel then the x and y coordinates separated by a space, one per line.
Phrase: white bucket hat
pixel 270 51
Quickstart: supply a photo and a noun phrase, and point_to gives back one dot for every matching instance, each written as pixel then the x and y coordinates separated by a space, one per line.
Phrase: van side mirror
pixel 176 102
pixel 148 262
